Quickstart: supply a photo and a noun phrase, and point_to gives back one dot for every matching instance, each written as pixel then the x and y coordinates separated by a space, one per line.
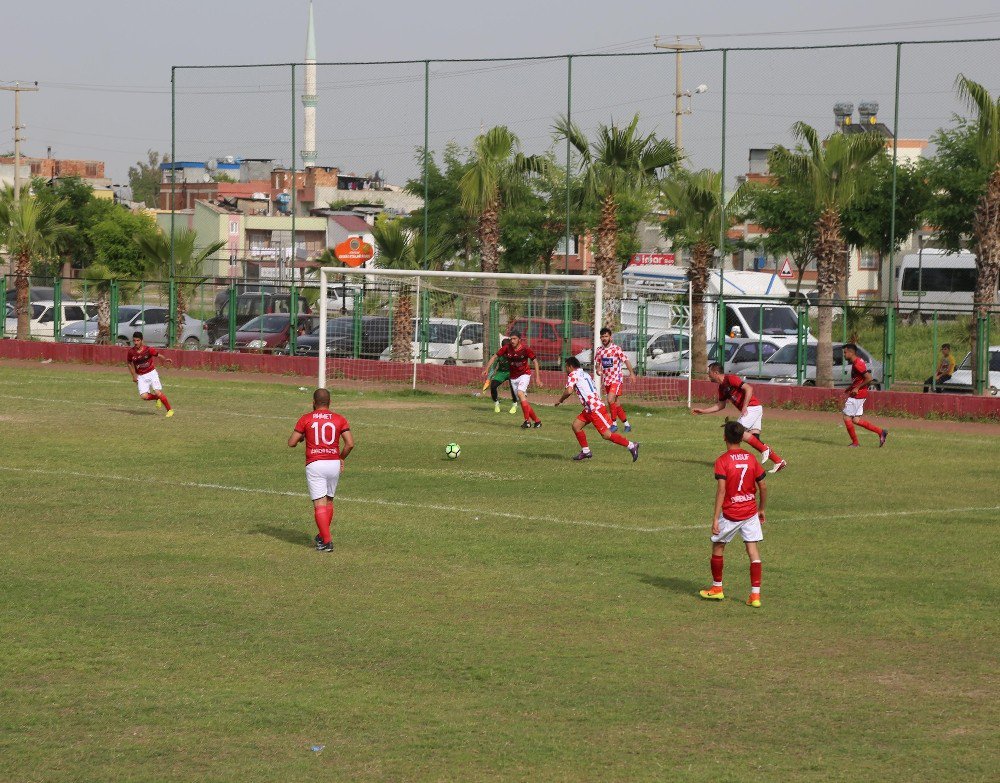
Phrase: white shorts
pixel 751 420
pixel 520 384
pixel 322 477
pixel 854 407
pixel 748 528
pixel 147 381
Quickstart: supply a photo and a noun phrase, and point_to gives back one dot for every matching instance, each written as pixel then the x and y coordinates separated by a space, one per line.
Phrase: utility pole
pixel 17 89
pixel 679 93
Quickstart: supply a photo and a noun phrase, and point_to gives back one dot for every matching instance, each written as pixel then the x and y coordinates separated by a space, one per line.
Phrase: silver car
pixel 961 380
pixel 151 321
pixel 781 368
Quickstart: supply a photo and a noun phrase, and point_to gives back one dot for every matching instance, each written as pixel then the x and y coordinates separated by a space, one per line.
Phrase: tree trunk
pixel 701 257
pixel 829 265
pixel 22 272
pixel 104 316
pixel 489 250
pixel 606 261
pixel 402 327
pixel 986 235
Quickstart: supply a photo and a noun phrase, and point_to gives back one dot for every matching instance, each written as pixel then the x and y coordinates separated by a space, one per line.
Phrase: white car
pixel 449 341
pixel 42 318
pixel 662 348
pixel 961 381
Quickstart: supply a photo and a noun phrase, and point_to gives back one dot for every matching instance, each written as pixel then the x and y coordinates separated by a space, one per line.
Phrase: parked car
pixel 249 305
pixel 449 341
pixel 263 334
pixel 961 380
pixel 781 367
pixel 42 318
pixel 339 335
pixel 151 321
pixel 681 364
pixel 661 346
pixel 750 354
pixel 35 294
pixel 545 337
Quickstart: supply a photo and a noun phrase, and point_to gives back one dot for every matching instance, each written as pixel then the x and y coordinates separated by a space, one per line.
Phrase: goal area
pixel 436 330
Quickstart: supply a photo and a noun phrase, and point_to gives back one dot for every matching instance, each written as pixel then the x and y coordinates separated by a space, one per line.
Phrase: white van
pixel 755 302
pixel 42 318
pixel 933 280
pixel 449 341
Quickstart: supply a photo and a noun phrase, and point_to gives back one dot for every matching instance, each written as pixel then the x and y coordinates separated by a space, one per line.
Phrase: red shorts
pixel 600 418
pixel 614 388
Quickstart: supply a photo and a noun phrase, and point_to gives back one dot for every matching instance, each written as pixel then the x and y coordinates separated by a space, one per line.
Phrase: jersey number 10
pixel 324 434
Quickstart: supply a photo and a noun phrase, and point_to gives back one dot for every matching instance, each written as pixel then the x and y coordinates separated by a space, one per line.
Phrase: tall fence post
pixel 934 349
pixel 569 164
pixel 427 152
pixel 982 353
pixel 802 345
pixel 57 308
pixel 642 331
pixel 889 357
pixel 3 298
pixel 293 317
pixel 295 189
pixel 233 301
pixel 721 336
pixel 889 349
pixel 113 297
pixel 172 313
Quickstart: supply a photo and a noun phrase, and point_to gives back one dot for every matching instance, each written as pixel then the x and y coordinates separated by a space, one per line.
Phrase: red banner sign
pixel 653 259
pixel 354 251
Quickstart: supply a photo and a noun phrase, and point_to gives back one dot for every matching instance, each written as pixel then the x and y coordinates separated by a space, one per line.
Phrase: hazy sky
pixel 104 72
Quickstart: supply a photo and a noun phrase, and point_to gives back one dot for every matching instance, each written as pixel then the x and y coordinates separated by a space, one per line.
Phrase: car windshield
pixel 268 324
pixel 126 314
pixel 336 327
pixel 442 333
pixel 788 354
pixel 773 319
pixel 625 340
pixel 994 361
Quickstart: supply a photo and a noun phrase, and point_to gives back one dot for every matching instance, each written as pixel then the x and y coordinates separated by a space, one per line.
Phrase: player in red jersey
pixel 738 479
pixel 733 389
pixel 608 361
pixel 141 364
pixel 322 430
pixel 519 355
pixel 594 411
pixel 854 408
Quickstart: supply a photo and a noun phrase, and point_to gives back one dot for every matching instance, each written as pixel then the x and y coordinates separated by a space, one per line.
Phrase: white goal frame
pixel 420 274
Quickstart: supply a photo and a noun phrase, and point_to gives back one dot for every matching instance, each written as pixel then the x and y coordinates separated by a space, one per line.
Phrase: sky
pixel 104 70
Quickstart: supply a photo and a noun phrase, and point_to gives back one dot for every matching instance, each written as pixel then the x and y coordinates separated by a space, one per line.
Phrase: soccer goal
pixel 437 329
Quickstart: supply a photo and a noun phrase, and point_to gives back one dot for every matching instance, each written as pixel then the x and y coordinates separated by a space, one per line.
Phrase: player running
pixel 322 430
pixel 738 479
pixel 854 408
pixel 141 364
pixel 519 354
pixel 499 374
pixel 594 411
pixel 608 363
pixel 735 390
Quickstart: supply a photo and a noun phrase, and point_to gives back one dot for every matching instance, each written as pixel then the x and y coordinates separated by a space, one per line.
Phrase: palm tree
pixel 496 178
pixel 399 248
pixel 986 221
pixel 694 200
pixel 830 170
pixel 32 232
pixel 620 162
pixel 188 265
pixel 100 277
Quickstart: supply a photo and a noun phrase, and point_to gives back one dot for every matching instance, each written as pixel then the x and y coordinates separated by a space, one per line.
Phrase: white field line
pixel 821 517
pixel 470 512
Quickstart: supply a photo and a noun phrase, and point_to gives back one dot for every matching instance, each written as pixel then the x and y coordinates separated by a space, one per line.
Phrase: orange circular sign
pixel 354 251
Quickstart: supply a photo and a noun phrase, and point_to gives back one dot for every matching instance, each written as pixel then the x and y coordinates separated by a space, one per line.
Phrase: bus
pixel 934 279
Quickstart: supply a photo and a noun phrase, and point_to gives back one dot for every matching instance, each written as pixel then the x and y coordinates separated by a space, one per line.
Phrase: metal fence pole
pixel 293 317
pixel 171 313
pixel 3 298
pixel 295 187
pixel 802 345
pixel 642 330
pixel 233 301
pixel 113 296
pixel 569 163
pixel 889 359
pixel 427 152
pixel 173 162
pixel 56 308
pixel 721 335
pixel 934 348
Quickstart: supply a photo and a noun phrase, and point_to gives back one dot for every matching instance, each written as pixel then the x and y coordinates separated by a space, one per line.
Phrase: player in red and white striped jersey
pixel 322 430
pixel 594 411
pixel 608 361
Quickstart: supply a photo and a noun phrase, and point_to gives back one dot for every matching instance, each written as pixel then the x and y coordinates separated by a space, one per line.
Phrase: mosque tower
pixel 309 97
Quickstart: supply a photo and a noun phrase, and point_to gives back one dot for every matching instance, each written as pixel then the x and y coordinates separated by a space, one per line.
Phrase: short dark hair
pixel 715 367
pixel 514 333
pixel 733 432
pixel 321 397
pixel 504 341
pixel 946 345
pixel 573 362
pixel 850 347
pixel 136 334
pixel 605 331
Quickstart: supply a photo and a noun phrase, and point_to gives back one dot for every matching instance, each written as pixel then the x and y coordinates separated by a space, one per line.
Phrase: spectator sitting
pixel 945 369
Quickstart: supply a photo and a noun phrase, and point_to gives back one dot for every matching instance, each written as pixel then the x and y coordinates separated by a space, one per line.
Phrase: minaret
pixel 309 97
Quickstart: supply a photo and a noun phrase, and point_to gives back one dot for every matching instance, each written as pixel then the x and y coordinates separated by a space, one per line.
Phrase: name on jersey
pixel 741 498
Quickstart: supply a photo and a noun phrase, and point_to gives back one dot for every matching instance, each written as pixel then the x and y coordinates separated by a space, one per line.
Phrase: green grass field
pixel 509 616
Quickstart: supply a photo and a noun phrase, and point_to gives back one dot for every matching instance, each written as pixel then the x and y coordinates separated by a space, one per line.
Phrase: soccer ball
pixel 452 450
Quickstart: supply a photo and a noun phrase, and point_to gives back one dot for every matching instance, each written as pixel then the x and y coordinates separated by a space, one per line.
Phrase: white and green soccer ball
pixel 452 450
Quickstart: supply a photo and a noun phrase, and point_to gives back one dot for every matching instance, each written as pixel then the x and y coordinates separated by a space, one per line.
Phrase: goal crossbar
pixel 324 272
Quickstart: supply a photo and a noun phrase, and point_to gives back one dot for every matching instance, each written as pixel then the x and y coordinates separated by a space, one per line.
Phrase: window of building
pixel 868 261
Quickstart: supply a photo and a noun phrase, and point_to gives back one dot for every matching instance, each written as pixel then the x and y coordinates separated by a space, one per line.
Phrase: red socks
pixel 717 569
pixel 869 426
pixel 163 399
pixel 755 568
pixel 528 411
pixel 324 515
pixel 616 438
pixel 851 431
pixel 581 439
pixel 758 444
pixel 618 412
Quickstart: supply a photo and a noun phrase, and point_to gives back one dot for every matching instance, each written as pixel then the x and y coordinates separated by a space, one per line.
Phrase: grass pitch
pixel 509 615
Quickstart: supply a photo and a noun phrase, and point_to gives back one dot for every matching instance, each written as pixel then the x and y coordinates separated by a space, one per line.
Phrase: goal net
pixel 436 330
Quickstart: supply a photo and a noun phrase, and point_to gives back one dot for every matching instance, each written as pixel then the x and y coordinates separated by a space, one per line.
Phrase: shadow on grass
pixel 671 583
pixel 285 534
pixel 809 439
pixel 546 455
pixel 129 412
pixel 704 463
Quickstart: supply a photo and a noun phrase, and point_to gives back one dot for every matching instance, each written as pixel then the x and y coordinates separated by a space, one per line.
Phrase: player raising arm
pixel 739 477
pixel 594 411
pixel 735 390
pixel 608 363
pixel 140 360
pixel 854 408
pixel 322 430
pixel 519 354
